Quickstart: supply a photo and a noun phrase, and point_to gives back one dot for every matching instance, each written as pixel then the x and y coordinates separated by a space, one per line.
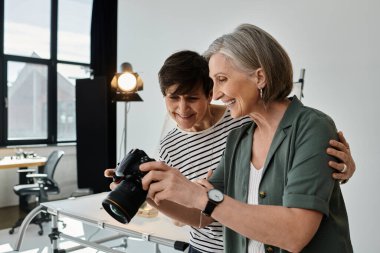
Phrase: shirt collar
pixel 287 120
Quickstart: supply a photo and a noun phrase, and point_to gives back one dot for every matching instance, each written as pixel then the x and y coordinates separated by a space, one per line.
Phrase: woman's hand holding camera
pixel 109 173
pixel 167 183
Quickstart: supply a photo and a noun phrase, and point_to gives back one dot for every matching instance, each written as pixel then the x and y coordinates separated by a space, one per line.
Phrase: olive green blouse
pixel 296 174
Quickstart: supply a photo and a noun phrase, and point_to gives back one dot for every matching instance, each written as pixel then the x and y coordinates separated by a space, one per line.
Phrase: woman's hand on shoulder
pixel 341 150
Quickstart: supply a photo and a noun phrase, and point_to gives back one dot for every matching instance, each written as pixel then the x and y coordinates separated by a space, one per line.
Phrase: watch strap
pixel 210 206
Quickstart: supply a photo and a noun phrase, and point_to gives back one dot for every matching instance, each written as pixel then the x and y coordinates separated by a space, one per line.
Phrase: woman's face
pixel 236 89
pixel 190 111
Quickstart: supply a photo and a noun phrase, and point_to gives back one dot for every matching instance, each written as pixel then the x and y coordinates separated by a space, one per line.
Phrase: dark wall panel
pixel 96 133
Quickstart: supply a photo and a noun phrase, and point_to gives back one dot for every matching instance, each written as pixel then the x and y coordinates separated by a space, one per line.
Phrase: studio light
pixel 125 85
pixel 127 82
pixel 124 88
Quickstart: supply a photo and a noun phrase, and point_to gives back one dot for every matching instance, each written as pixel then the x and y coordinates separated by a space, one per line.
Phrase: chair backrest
pixel 52 162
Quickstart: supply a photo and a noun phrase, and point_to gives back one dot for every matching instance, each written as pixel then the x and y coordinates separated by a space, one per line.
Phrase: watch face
pixel 215 195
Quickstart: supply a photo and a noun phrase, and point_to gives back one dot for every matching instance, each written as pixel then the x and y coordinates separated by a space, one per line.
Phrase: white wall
pixel 336 41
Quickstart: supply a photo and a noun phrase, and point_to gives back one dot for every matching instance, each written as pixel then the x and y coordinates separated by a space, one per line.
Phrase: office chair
pixel 43 184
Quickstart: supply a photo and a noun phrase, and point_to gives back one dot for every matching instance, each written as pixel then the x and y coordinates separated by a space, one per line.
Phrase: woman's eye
pixel 221 79
pixel 173 97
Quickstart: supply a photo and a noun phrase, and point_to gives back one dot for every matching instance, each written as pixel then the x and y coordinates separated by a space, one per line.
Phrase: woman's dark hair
pixel 188 70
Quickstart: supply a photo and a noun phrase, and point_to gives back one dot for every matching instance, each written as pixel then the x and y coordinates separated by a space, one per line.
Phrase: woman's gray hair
pixel 249 47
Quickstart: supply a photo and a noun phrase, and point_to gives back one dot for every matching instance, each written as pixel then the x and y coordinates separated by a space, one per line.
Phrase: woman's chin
pixel 184 126
pixel 235 114
pixel 184 123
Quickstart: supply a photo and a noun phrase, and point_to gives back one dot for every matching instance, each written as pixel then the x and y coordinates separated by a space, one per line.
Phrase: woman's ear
pixel 261 78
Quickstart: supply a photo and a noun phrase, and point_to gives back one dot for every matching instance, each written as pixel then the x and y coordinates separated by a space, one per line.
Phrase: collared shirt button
pixel 262 194
pixel 269 249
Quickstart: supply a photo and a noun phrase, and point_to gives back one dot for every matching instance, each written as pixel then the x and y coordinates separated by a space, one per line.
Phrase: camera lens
pixel 123 203
pixel 115 211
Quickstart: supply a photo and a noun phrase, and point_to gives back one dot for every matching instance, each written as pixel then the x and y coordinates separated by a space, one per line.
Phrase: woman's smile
pixel 185 118
pixel 229 103
pixel 191 111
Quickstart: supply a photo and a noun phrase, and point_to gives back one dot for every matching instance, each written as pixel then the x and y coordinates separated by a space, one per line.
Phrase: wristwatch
pixel 215 197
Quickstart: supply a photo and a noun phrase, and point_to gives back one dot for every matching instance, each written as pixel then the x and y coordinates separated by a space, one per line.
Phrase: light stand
pixel 299 85
pixel 302 81
pixel 125 126
pixel 124 88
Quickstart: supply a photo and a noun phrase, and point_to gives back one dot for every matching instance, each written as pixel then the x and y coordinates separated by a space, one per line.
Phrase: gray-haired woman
pixel 273 189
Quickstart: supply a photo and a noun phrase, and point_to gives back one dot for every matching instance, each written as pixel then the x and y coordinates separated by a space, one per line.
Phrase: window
pixel 27 97
pixel 27 32
pixel 74 22
pixel 45 47
pixel 67 74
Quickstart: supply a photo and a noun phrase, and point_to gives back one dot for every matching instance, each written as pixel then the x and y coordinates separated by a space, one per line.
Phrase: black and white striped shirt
pixel 194 154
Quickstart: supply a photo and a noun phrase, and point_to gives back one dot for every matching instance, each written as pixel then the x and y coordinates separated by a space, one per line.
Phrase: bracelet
pixel 200 220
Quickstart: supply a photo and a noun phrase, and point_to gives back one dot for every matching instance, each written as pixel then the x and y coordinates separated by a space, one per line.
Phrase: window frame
pixel 51 79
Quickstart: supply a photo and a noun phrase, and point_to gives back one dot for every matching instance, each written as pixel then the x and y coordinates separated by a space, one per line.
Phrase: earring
pixel 261 93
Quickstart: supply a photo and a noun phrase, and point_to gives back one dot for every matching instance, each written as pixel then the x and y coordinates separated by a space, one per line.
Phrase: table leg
pixel 41 169
pixel 54 236
pixel 23 200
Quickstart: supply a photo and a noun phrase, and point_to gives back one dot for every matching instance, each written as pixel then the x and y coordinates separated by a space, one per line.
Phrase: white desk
pixel 11 162
pixel 89 209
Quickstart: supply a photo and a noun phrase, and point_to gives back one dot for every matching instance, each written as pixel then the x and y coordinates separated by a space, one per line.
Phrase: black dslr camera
pixel 124 201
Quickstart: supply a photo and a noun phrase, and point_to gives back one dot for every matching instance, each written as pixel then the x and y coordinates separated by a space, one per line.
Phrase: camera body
pixel 128 168
pixel 124 201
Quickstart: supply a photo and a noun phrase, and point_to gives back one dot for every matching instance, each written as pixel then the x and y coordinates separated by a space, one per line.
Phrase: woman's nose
pixel 182 106
pixel 216 93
